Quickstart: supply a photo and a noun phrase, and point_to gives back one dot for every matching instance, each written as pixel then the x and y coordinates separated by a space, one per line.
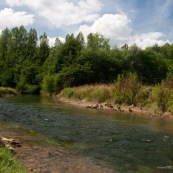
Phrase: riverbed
pixel 122 142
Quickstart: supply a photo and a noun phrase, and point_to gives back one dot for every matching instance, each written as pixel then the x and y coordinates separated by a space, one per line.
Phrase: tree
pixel 32 45
pixel 43 51
pixel 97 42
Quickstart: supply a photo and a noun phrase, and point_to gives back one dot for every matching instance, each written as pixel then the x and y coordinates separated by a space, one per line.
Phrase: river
pixel 119 141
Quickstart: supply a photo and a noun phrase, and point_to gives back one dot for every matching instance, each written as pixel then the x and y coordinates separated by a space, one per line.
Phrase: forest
pixel 30 65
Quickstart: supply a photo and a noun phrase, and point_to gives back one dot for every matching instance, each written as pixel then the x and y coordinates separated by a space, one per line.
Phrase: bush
pixel 163 95
pixel 49 84
pixel 32 89
pixel 143 95
pixel 67 92
pixel 126 89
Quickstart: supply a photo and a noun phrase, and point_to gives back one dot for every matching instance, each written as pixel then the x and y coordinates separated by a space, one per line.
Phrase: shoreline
pixel 36 157
pixel 134 110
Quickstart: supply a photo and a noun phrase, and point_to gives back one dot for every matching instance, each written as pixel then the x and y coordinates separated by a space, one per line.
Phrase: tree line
pixel 30 65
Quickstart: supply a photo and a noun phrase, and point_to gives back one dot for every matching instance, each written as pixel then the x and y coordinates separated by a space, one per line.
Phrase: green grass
pixel 7 91
pixel 67 92
pixel 8 163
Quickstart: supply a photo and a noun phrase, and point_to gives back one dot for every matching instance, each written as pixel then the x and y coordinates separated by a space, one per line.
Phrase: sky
pixel 141 22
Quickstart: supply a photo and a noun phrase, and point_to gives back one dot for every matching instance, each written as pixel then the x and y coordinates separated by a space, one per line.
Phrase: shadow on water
pixel 126 143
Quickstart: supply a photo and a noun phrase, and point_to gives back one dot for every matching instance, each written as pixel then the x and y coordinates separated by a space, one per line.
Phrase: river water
pixel 119 141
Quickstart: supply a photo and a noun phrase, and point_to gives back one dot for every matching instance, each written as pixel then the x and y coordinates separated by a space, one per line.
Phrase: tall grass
pixel 97 93
pixel 162 96
pixel 127 90
pixel 7 91
pixel 8 164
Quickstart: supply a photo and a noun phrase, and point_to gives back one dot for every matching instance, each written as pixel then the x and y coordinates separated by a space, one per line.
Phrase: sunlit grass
pixel 7 91
pixel 98 93
pixel 8 163
pixel 127 90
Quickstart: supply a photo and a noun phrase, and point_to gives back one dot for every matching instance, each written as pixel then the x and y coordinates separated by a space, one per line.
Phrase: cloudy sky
pixel 144 22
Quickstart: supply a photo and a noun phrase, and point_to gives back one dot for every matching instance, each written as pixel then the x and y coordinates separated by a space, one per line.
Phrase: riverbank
pixel 125 95
pixel 7 92
pixel 125 109
pixel 41 157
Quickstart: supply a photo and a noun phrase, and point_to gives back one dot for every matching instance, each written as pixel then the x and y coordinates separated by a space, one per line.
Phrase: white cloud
pixel 117 29
pixel 113 26
pixel 62 12
pixel 9 18
pixel 148 39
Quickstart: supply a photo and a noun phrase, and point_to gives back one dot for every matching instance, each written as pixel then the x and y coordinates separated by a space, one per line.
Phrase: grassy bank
pixel 8 164
pixel 127 90
pixel 7 92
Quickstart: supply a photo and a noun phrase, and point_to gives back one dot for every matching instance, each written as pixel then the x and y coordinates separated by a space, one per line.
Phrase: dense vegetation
pixel 127 90
pixel 28 64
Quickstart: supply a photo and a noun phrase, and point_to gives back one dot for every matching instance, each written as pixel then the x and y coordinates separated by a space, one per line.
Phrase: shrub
pixel 32 89
pixel 126 89
pixel 67 92
pixel 163 95
pixel 143 95
pixel 50 84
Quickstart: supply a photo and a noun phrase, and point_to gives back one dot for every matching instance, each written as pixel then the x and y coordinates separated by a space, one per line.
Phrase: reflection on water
pixel 123 142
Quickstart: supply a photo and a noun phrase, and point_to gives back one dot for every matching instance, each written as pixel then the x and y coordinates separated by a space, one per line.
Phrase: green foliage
pixel 8 164
pixel 43 50
pixel 67 92
pixel 143 95
pixel 163 95
pixel 97 41
pixel 27 65
pixel 126 89
pixel 49 84
pixel 32 89
pixel 74 75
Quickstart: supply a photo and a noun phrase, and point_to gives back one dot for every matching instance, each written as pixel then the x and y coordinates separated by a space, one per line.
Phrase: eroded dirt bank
pixel 136 110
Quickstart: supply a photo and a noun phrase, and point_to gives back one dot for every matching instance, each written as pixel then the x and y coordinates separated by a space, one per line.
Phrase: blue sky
pixel 143 22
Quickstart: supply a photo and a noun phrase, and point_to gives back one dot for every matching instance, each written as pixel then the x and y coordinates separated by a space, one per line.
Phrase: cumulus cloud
pixel 148 39
pixel 113 26
pixel 10 18
pixel 62 12
pixel 117 28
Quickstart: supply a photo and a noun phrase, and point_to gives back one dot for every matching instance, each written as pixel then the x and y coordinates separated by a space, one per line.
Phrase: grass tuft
pixel 8 164
pixel 7 91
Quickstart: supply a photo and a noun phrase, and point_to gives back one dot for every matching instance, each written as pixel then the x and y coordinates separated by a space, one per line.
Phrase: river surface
pixel 120 141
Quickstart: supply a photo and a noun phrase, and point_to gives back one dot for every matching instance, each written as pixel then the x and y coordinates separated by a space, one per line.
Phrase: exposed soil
pixel 48 159
pixel 136 110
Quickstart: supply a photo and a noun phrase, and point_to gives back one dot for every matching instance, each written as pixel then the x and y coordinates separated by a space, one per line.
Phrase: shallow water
pixel 123 142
